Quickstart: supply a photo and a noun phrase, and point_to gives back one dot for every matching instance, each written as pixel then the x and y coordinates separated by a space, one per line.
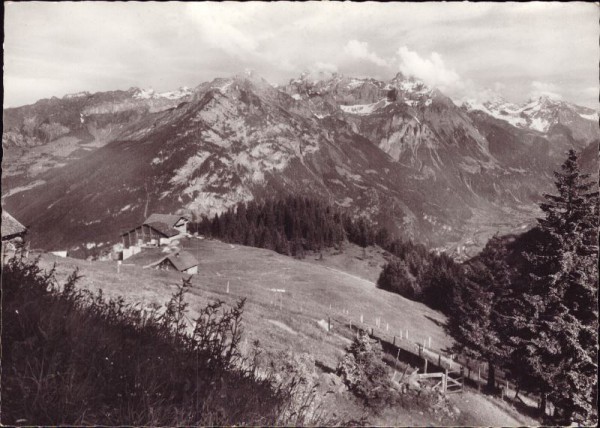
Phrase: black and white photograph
pixel 321 213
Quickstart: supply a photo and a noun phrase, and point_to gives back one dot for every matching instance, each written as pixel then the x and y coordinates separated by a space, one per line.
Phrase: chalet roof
pixel 182 260
pixel 163 228
pixel 168 219
pixel 10 226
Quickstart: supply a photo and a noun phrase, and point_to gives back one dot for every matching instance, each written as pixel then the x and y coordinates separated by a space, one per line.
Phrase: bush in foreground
pixel 364 372
pixel 70 357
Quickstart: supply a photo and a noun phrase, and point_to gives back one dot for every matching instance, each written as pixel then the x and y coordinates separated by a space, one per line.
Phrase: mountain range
pixel 80 169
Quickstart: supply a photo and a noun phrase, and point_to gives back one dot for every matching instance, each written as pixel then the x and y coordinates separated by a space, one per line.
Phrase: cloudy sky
pixel 467 50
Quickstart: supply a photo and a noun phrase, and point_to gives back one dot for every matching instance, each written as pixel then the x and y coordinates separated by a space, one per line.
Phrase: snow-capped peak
pixel 537 114
pixel 146 94
pixel 76 95
pixel 179 93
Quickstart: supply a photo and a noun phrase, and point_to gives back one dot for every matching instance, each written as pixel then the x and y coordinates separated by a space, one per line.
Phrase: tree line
pixel 291 225
pixel 296 225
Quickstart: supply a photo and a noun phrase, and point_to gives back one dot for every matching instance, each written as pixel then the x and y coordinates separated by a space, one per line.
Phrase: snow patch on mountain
pixel 355 83
pixel 539 124
pixel 364 109
pixel 184 91
pixel 593 116
pixel 144 94
pixel 76 95
pixel 148 94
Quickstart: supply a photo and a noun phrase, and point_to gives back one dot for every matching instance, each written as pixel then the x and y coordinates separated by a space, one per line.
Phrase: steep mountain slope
pixel 399 152
pixel 53 132
pixel 231 142
pixel 460 157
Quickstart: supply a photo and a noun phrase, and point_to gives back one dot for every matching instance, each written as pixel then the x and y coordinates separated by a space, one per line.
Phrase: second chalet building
pixel 156 230
pixel 13 235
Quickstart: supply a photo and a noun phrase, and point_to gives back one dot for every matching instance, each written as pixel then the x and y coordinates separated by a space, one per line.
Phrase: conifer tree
pixel 559 346
pixel 476 318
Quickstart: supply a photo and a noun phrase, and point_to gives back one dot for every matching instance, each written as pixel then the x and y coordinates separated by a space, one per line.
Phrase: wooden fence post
pixel 425 366
pixel 439 359
pixel 394 343
pixel 328 323
pixel 445 381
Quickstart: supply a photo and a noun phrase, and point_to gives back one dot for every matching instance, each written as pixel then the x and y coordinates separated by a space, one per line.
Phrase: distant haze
pixel 467 50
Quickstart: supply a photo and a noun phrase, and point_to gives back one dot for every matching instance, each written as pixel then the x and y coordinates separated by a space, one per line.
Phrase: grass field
pixel 341 286
pixel 311 287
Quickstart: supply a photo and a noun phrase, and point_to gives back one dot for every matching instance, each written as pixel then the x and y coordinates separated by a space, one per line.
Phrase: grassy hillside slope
pixel 296 319
pixel 281 321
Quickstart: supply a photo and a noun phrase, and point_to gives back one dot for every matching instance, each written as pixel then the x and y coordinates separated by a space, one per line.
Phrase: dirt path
pixel 283 326
pixel 350 275
pixel 479 410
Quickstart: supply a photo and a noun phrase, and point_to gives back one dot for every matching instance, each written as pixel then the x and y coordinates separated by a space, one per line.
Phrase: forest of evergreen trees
pixel 290 226
pixel 295 225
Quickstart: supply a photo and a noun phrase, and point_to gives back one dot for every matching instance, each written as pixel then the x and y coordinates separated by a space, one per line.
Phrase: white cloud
pixel 72 46
pixel 543 88
pixel 219 27
pixel 360 50
pixel 326 67
pixel 432 70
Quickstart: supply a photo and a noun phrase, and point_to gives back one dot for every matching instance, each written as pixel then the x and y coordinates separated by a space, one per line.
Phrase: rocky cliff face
pixel 399 152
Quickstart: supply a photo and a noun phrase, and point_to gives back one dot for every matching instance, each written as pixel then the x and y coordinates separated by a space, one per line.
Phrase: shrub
pixel 71 357
pixel 396 277
pixel 364 372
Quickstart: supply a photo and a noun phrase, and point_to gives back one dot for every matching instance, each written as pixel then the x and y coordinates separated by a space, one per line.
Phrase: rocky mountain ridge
pixel 399 152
